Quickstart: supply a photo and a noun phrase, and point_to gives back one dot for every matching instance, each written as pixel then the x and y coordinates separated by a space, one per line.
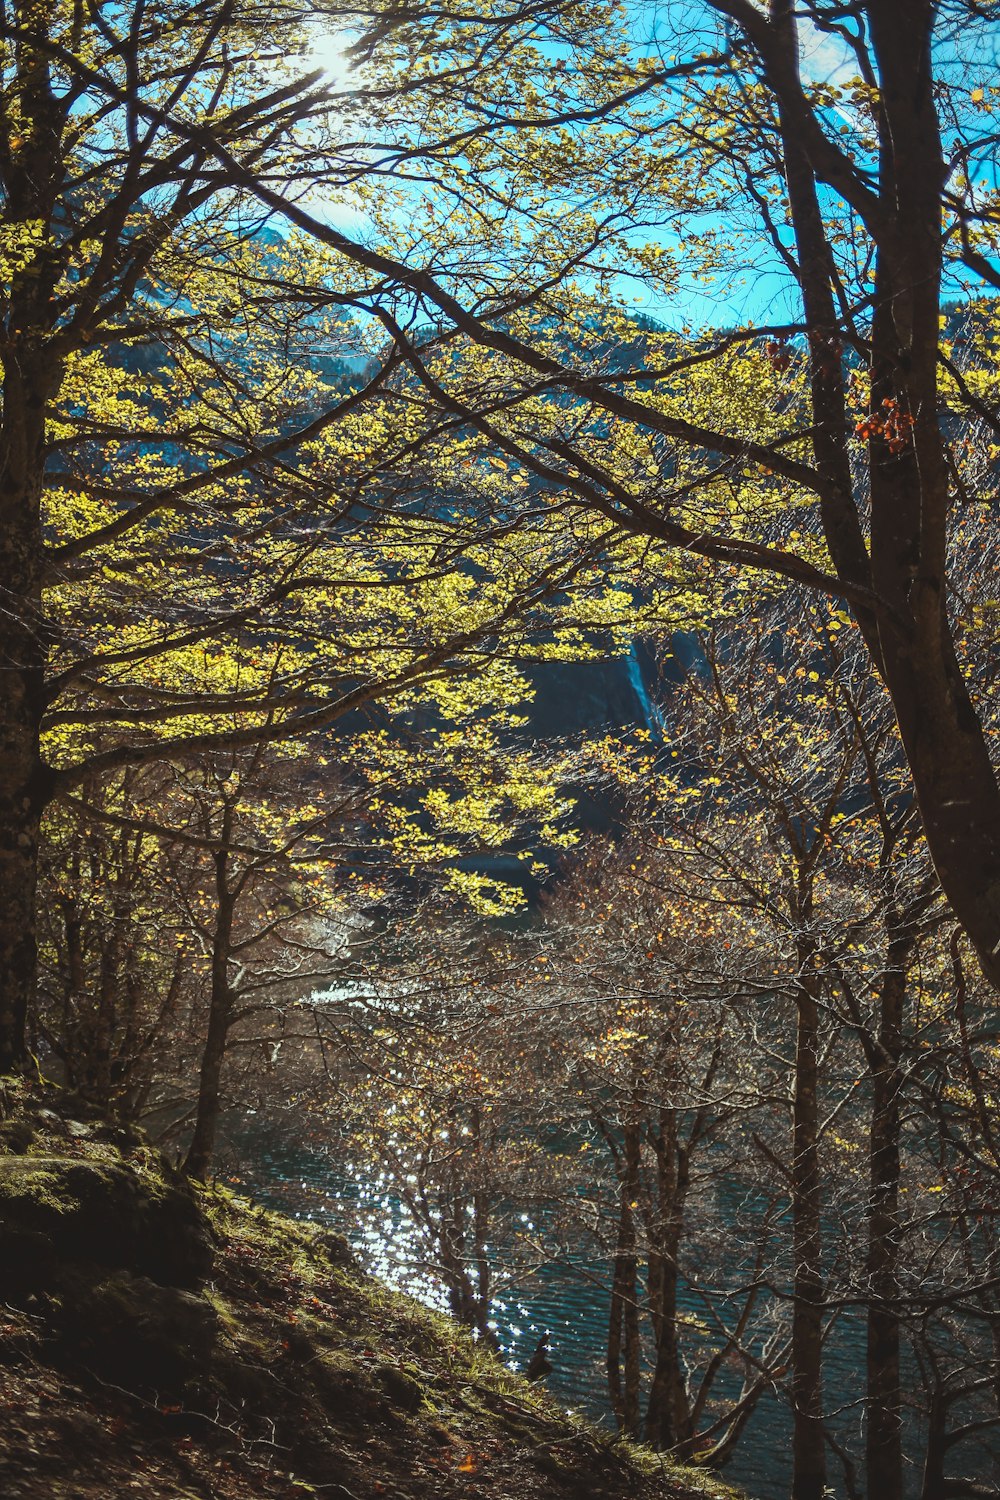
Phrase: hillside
pixel 172 1344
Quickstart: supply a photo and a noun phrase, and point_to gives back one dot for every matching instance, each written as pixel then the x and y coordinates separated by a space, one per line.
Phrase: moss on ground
pixel 286 1371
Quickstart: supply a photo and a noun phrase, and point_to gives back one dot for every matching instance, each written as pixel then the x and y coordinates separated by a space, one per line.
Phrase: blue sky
pixel 757 287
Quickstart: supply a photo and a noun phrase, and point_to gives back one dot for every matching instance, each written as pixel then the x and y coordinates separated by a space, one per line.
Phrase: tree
pixel 868 207
pixel 655 1086
pixel 115 973
pixel 193 486
pixel 436 1090
pixel 783 817
pixel 762 962
pixel 193 911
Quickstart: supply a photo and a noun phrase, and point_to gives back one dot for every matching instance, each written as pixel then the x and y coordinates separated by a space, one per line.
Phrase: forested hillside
pixel 499 712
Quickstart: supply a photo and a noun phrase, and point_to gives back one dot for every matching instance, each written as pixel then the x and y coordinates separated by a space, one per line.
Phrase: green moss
pixel 27 1180
pixel 229 1319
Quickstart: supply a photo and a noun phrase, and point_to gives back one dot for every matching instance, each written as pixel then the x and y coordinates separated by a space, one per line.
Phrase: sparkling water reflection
pixel 568 1301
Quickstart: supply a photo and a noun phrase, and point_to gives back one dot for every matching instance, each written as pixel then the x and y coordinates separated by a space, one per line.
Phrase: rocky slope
pixel 176 1344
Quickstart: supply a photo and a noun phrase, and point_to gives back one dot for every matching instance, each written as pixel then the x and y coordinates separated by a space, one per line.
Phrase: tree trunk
pixel 932 1483
pixel 952 773
pixel 99 1085
pixel 623 1326
pixel 884 1440
pixel 906 628
pixel 454 1261
pixel 23 787
pixel 481 1206
pixel 74 992
pixel 199 1157
pixel 32 178
pixel 668 1417
pixel 808 1440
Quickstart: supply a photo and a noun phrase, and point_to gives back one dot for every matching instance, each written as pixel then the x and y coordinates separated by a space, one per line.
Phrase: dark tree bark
pixel 623 1352
pixel 21 781
pixel 884 1433
pixel 808 1439
pixel 668 1414
pixel 32 178
pixel 27 381
pixel 221 1002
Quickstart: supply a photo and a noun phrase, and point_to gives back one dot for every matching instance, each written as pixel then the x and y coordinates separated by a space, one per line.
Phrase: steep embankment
pixel 159 1342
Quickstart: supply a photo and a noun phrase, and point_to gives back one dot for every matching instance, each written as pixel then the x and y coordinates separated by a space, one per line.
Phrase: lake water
pixel 305 1183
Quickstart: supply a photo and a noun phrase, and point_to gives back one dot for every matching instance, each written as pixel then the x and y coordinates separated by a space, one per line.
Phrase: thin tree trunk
pixel 616 1328
pixel 668 1416
pixel 111 985
pixel 623 1363
pixel 202 1147
pixel 884 1440
pixel 461 1296
pixel 630 1309
pixel 129 1087
pixel 75 990
pixel 932 1483
pixel 480 1235
pixel 808 1441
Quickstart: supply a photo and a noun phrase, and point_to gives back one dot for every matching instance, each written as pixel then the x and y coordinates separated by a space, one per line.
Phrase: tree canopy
pixel 547 159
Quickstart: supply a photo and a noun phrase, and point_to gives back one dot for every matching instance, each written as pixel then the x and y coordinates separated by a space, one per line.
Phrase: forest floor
pixel 164 1343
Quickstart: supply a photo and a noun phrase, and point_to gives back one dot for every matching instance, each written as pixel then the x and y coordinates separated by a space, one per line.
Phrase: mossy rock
pixel 139 1333
pixel 347 1392
pixel 16 1136
pixel 56 1211
pixel 337 1248
pixel 403 1392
